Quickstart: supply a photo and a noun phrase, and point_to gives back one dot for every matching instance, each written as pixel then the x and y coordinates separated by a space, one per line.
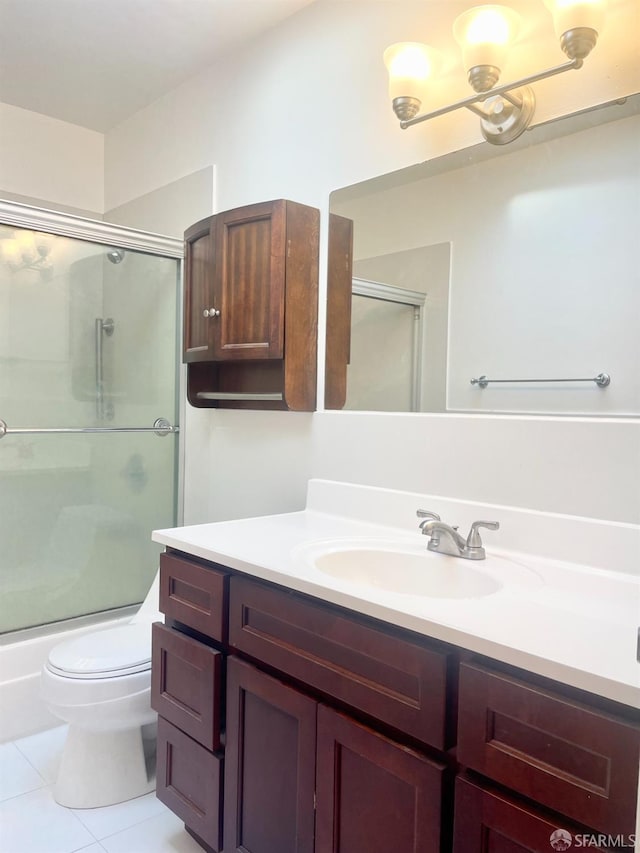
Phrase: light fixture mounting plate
pixel 504 120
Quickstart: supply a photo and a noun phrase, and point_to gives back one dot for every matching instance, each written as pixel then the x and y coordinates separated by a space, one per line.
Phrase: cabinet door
pixel 198 290
pixel 373 795
pixel 269 764
pixel 491 822
pixel 250 282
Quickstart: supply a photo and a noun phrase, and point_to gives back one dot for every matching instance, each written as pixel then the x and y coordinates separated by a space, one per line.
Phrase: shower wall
pixel 77 508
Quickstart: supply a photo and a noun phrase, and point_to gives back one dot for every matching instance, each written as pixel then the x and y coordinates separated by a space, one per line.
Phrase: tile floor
pixel 32 822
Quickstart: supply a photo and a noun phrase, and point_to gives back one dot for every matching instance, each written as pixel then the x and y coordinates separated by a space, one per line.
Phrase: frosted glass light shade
pixel 26 245
pixel 11 253
pixel 573 14
pixel 410 65
pixel 485 33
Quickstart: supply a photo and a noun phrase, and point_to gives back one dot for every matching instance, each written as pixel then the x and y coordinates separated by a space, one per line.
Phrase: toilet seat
pixel 112 653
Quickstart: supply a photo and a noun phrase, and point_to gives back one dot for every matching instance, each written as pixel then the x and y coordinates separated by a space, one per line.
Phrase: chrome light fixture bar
pixel 485 34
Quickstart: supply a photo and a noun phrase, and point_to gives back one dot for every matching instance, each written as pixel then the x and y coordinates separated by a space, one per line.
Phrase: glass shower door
pixel 88 341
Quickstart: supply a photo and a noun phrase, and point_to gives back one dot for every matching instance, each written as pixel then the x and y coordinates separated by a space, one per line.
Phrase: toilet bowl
pixel 100 684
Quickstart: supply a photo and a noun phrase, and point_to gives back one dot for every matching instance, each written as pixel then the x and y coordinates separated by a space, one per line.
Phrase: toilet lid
pixel 104 654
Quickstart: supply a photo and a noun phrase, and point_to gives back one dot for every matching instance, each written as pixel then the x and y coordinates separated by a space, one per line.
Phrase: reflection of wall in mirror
pixel 544 274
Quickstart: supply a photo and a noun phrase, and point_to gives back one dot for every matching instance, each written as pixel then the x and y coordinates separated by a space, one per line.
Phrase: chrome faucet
pixel 445 539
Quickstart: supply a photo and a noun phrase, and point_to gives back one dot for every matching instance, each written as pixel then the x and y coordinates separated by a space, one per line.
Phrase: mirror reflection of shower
pixel 104 411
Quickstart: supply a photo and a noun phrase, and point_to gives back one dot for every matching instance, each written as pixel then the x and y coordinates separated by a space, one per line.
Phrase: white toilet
pixel 100 683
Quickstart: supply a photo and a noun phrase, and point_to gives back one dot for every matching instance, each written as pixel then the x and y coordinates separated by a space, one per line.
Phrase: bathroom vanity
pixel 304 707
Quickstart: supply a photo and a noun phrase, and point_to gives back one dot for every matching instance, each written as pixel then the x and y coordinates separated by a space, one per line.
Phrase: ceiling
pixel 95 62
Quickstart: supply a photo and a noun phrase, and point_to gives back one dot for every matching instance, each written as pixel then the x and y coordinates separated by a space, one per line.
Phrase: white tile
pixel 93 848
pixel 43 751
pixel 111 819
pixel 162 834
pixel 17 776
pixel 35 823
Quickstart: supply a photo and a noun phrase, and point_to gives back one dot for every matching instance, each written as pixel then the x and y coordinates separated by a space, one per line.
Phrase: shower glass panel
pixel 88 342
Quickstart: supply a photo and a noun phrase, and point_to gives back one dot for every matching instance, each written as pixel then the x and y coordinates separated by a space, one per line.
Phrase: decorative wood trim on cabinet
pixel 194 595
pixel 487 821
pixel 189 782
pixel 269 764
pixel 385 676
pixel 339 286
pixel 186 683
pixel 373 795
pixel 564 755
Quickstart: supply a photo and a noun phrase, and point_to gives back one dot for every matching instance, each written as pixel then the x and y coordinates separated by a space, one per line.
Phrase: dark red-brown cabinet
pixel 373 794
pixel 251 307
pixel 296 769
pixel 490 821
pixel 187 691
pixel 270 764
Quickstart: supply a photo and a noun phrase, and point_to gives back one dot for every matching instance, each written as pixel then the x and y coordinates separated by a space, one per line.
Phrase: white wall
pixel 302 111
pixel 50 163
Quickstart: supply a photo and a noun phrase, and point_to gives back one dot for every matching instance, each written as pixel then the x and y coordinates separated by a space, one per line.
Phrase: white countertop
pixel 577 624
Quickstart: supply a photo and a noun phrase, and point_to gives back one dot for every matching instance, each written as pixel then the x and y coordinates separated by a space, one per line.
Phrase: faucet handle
pixel 426 515
pixel 473 539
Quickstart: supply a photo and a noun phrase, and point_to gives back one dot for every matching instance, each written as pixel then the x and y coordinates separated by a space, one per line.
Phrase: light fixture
pixel 485 34
pixel 28 250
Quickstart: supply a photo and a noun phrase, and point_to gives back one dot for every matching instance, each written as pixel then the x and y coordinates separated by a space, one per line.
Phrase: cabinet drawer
pixel 185 684
pixel 385 676
pixel 577 761
pixel 189 782
pixel 194 595
pixel 491 822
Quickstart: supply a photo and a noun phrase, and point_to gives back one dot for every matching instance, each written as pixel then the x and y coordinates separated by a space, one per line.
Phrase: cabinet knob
pixel 211 312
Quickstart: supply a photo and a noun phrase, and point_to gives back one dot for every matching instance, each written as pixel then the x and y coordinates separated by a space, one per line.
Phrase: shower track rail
pixel 161 427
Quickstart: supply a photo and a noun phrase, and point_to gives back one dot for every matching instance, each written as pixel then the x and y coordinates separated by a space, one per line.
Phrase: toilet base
pixel 100 768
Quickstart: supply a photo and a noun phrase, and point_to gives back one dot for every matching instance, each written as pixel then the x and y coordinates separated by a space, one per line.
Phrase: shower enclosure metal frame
pixel 120 237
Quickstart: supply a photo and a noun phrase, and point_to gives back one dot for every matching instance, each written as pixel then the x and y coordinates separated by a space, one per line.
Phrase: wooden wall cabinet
pixel 335 733
pixel 251 307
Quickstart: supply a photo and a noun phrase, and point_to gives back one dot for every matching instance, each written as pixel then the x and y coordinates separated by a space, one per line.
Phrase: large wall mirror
pixel 526 262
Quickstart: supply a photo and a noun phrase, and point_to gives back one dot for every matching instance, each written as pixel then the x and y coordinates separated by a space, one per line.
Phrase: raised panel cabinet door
pixel 491 822
pixel 199 246
pixel 269 764
pixel 373 795
pixel 250 282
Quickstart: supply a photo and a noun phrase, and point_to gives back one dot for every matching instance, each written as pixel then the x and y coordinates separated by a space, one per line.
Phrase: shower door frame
pixel 118 236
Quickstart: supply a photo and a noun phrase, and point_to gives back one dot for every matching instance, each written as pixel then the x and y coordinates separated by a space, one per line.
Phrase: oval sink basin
pixel 409 569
